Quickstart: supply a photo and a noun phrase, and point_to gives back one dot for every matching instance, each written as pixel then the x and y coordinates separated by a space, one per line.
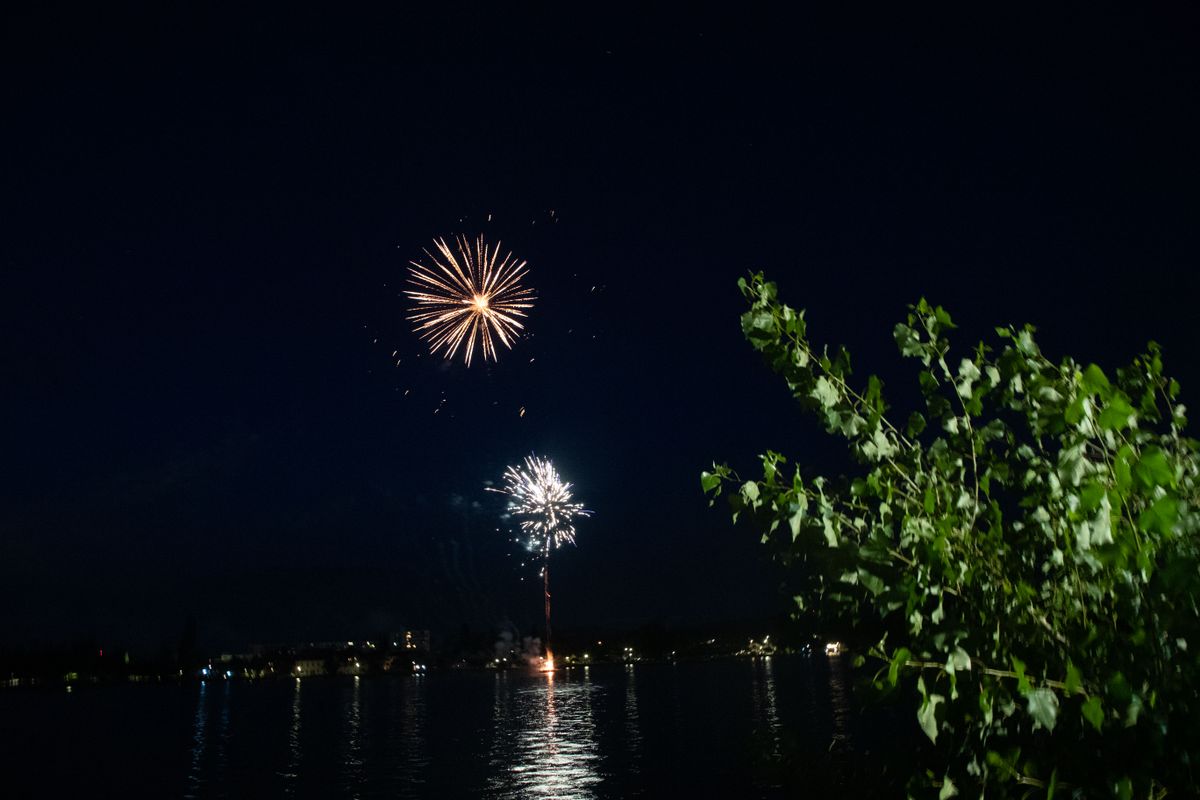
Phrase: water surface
pixel 611 730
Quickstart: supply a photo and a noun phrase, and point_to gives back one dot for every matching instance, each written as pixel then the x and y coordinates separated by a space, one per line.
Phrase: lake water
pixel 738 727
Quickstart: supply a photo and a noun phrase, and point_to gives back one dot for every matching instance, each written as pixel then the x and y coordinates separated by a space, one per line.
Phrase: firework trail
pixel 545 509
pixel 467 296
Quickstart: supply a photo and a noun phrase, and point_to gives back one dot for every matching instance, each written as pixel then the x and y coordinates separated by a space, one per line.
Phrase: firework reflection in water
pixel 544 738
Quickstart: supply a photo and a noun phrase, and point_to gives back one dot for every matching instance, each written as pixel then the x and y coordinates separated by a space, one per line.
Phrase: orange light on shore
pixel 547 662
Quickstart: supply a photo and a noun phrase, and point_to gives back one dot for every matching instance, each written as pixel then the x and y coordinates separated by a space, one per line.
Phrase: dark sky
pixel 207 217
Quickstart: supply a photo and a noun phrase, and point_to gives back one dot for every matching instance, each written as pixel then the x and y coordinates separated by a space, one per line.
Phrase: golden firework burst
pixel 467 297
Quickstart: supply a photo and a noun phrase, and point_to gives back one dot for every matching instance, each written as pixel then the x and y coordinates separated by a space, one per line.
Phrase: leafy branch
pixel 1031 512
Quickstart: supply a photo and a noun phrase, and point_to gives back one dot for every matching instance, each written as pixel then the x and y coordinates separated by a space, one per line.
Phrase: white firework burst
pixel 542 504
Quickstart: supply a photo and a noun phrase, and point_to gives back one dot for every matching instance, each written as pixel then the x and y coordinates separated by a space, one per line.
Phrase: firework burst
pixel 467 296
pixel 542 504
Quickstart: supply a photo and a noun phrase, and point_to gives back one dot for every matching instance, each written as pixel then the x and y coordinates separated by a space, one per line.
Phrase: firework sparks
pixel 468 297
pixel 542 504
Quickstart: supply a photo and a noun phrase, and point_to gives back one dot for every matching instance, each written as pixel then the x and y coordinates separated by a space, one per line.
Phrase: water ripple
pixel 544 740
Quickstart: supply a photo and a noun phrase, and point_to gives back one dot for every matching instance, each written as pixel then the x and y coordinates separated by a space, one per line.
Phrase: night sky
pixel 206 220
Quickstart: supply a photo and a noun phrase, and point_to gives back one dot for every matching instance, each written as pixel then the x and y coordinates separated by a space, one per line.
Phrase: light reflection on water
pixel 839 701
pixel 544 739
pixel 292 772
pixel 765 705
pixel 414 758
pixel 223 731
pixel 841 747
pixel 208 769
pixel 196 771
pixel 352 761
pixel 614 731
pixel 633 732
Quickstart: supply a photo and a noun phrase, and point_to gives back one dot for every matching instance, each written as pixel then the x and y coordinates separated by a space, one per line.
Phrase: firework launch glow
pixel 467 297
pixel 542 504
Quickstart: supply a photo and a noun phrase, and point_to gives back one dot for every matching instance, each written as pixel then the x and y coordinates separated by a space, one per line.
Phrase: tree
pixel 1027 546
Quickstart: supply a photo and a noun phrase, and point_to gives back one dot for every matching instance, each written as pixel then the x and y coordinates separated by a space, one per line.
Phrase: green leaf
pixel 907 340
pixel 1093 711
pixel 968 373
pixel 1100 528
pixel 948 789
pixel 1133 711
pixel 985 706
pixel 1025 343
pixel 873 583
pixel 1074 680
pixel 1160 516
pixel 1122 467
pixel 874 390
pixel 709 481
pixel 1003 766
pixel 1089 497
pixel 750 491
pixel 1042 705
pixel 1118 688
pixel 927 716
pixel 958 661
pixel 758 325
pixel 1116 414
pixel 1152 469
pixel 831 537
pixel 916 424
pixel 824 393
pixel 879 447
pixel 1019 668
pixel 1074 412
pixel 1094 380
pixel 899 659
pixel 797 516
